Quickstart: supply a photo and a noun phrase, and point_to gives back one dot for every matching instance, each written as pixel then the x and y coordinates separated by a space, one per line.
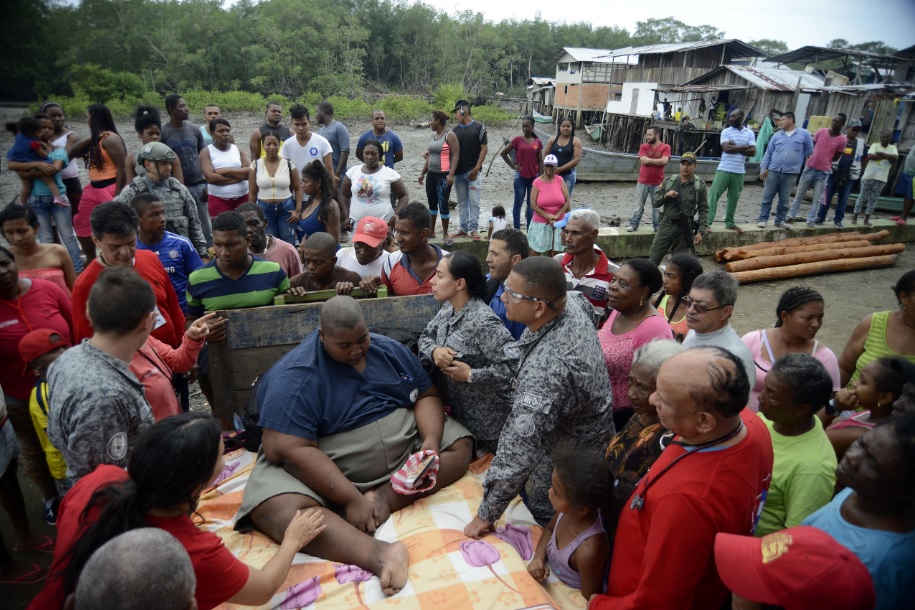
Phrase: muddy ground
pixel 849 296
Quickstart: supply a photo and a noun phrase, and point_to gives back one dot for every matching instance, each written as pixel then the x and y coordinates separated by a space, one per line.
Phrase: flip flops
pixel 448 241
pixel 737 229
pixel 33 575
pixel 460 234
pixel 42 544
pixel 476 237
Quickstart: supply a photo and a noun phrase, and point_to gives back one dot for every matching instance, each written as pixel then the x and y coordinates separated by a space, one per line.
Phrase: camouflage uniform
pixel 483 343
pixel 671 235
pixel 97 409
pixel 181 215
pixel 562 393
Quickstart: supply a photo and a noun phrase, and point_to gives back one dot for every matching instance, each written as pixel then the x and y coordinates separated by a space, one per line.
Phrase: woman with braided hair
pixel 799 316
pixel 677 279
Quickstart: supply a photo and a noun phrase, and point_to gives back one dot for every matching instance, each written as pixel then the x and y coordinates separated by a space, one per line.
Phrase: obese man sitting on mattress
pixel 341 413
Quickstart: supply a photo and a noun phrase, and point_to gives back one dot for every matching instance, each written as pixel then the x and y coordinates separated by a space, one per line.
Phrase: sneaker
pixel 50 511
pixel 867 223
pixel 819 222
pixel 761 224
pixel 789 220
pixel 630 229
pixel 839 226
pixel 781 225
pixel 810 226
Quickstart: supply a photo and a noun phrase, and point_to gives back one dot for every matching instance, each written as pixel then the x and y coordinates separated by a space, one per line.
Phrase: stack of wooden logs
pixel 801 256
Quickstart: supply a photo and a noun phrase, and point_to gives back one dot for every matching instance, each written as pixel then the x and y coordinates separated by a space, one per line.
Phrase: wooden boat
pixel 594 131
pixel 542 118
pixel 884 204
pixel 606 166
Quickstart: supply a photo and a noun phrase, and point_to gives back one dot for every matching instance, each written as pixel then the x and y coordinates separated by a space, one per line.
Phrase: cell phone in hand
pixel 416 474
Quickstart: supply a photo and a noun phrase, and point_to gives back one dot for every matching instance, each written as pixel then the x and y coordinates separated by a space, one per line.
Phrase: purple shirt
pixel 824 149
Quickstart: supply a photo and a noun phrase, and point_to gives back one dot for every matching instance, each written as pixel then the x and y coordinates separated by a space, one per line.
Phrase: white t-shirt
pixel 371 193
pixel 728 339
pixel 346 258
pixel 316 147
pixel 879 169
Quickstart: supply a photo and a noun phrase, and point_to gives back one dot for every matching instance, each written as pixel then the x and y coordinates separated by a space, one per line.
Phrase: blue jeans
pixel 809 178
pixel 45 208
pixel 569 179
pixel 776 182
pixel 523 188
pixel 468 196
pixel 197 191
pixel 643 192
pixel 841 203
pixel 277 215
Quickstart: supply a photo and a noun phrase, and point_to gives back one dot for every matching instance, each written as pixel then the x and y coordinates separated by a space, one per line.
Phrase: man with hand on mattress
pixel 341 414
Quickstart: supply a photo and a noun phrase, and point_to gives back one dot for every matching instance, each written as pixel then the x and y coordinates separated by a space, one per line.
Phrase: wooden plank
pixel 259 336
pixel 318 296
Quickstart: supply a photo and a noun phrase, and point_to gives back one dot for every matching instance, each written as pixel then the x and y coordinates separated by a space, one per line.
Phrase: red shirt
pixel 652 174
pixel 149 267
pixel 44 305
pixel 594 285
pixel 663 555
pixel 398 275
pixel 220 575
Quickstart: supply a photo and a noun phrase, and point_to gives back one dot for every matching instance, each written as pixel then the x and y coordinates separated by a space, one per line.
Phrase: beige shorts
pixel 367 456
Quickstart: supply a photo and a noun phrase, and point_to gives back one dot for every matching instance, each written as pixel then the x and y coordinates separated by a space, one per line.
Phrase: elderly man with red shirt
pixel 712 477
pixel 587 268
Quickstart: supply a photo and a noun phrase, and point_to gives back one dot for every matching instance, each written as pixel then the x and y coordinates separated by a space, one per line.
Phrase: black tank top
pixel 280 129
pixel 563 154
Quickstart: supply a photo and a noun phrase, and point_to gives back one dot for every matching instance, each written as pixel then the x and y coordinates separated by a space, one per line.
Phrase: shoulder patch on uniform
pixel 531 400
pixel 117 447
pixel 524 426
pixel 414 395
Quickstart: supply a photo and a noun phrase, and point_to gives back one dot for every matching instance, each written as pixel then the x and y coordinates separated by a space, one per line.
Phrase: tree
pixel 670 30
pixel 769 45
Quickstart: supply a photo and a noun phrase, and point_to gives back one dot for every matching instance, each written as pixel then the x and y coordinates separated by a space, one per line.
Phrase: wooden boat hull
pixel 605 166
pixel 884 204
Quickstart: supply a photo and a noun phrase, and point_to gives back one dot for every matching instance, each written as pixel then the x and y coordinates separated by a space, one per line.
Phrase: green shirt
pixel 208 289
pixel 803 478
pixel 693 200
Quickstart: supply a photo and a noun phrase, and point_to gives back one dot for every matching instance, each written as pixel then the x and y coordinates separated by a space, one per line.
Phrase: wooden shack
pixel 541 92
pixel 258 337
pixel 582 83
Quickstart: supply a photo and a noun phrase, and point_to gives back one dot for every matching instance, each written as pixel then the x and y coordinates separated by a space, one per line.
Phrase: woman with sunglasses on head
pixel 633 323
pixel 799 316
pixel 175 460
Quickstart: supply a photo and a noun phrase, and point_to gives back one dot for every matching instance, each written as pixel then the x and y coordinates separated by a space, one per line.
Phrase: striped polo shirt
pixel 594 284
pixel 209 290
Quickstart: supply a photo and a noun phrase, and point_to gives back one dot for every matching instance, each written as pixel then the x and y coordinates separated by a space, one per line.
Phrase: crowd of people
pixel 589 381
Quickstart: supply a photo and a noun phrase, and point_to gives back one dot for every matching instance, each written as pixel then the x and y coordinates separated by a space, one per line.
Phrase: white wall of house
pixel 637 98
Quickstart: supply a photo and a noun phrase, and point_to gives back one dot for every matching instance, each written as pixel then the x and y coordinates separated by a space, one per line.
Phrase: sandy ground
pixel 849 296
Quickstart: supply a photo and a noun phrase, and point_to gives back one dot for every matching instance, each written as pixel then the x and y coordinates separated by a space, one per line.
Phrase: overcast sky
pixel 797 23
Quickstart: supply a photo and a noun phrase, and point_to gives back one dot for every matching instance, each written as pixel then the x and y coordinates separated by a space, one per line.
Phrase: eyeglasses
pixel 700 309
pixel 523 297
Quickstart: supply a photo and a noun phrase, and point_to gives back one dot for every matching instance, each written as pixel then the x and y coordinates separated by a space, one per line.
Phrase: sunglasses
pixel 700 309
pixel 522 297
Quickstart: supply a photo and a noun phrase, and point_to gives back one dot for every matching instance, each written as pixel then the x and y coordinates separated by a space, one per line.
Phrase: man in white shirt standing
pixel 708 313
pixel 737 143
pixel 367 254
pixel 305 146
pixel 880 158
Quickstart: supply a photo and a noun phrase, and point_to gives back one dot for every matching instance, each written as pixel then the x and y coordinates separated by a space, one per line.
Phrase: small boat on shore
pixel 884 204
pixel 606 166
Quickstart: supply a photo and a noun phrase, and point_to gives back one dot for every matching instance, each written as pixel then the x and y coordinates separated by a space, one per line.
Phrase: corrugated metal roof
pixel 541 81
pixel 812 54
pixel 768 79
pixel 599 56
pixel 742 48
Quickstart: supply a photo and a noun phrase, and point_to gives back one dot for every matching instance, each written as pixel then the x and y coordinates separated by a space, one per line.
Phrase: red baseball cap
pixel 39 342
pixel 800 568
pixel 371 230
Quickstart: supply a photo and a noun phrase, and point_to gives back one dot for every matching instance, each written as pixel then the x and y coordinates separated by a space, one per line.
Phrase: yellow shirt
pixel 38 408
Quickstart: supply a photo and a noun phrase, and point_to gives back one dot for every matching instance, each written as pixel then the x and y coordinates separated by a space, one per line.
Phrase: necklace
pixel 266 247
pixel 638 499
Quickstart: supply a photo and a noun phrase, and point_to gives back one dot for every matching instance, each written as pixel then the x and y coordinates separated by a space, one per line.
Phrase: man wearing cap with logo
pixel 180 208
pixel 472 138
pixel 367 254
pixel 681 197
pixel 800 568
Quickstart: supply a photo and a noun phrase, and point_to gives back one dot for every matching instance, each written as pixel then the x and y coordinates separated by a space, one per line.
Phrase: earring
pixel 641 302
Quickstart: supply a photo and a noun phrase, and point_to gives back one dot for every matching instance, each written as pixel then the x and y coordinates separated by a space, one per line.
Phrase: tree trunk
pixel 781 273
pixel 797 258
pixel 730 254
pixel 775 251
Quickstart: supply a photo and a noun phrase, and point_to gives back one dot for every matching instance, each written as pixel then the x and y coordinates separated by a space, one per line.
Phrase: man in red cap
pixel 800 568
pixel 367 254
pixel 39 349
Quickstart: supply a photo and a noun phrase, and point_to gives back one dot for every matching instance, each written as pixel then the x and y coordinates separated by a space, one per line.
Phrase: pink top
pixel 155 363
pixel 285 255
pixel 55 275
pixel 549 197
pixel 855 421
pixel 618 351
pixel 824 149
pixel 756 343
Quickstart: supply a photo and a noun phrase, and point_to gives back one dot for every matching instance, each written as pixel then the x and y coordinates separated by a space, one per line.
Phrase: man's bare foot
pixel 392 566
pixel 380 503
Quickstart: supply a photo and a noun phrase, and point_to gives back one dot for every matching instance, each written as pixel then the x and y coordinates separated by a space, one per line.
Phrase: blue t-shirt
pixel 390 144
pixel 735 162
pixel 179 259
pixel 889 557
pixel 496 304
pixel 310 395
pixel 39 188
pixel 21 150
